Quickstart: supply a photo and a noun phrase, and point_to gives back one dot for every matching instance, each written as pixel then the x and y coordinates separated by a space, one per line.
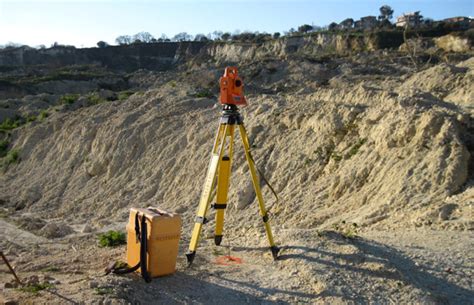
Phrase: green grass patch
pixel 74 73
pixel 3 148
pixel 104 290
pixel 318 151
pixel 123 95
pixel 43 115
pixel 204 93
pixel 355 149
pixel 35 288
pixel 31 118
pixel 95 99
pixel 9 124
pixel 12 157
pixel 112 239
pixel 336 156
pixel 347 230
pixel 68 99
pixel 4 213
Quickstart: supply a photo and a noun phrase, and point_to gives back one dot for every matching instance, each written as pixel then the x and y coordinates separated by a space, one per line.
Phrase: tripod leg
pixel 258 192
pixel 223 177
pixel 207 191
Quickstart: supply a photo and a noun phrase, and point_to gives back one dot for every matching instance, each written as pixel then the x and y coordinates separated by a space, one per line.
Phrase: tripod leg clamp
pixel 265 218
pixel 200 219
pixel 219 206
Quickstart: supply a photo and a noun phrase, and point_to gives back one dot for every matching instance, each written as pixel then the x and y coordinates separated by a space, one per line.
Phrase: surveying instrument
pixel 231 95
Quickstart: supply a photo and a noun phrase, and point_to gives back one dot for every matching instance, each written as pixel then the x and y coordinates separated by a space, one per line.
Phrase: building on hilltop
pixel 413 19
pixel 366 23
pixel 346 24
pixel 462 22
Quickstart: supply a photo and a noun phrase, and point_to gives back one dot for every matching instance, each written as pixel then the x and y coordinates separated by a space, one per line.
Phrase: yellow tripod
pixel 219 167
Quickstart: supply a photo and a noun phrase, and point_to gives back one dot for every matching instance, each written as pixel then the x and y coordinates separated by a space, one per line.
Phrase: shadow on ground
pixel 405 269
pixel 182 288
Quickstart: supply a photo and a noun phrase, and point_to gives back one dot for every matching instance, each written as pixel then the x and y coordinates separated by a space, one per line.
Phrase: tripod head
pixel 231 84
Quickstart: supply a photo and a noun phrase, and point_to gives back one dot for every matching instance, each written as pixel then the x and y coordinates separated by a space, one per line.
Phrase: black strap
pixel 123 269
pixel 266 181
pixel 141 236
pixel 143 250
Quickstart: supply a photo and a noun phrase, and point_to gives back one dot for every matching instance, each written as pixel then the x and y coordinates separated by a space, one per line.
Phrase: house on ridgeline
pixel 366 23
pixel 462 22
pixel 412 20
pixel 346 24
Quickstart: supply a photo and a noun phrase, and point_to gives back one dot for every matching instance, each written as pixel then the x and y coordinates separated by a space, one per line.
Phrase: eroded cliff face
pixel 164 56
pixel 157 56
pixel 314 45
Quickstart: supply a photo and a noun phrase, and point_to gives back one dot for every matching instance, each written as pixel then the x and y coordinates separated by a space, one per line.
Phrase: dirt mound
pixel 343 150
pixel 446 83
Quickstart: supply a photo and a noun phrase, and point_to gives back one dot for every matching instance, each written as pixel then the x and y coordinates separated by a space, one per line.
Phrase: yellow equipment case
pixel 163 230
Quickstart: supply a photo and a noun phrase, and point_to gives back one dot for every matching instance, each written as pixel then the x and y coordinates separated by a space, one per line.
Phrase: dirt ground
pixel 316 267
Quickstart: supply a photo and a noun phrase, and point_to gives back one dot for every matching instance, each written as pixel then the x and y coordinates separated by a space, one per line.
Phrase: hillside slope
pixel 383 149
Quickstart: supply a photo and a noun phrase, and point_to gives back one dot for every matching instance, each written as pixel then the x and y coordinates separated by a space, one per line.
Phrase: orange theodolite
pixel 217 179
pixel 232 88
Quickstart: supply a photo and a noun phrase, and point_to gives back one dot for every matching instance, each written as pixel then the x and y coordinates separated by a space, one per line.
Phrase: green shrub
pixel 346 230
pixel 336 156
pixel 95 99
pixel 104 290
pixel 3 148
pixel 35 288
pixel 31 118
pixel 469 34
pixel 355 148
pixel 68 99
pixel 13 156
pixel 123 95
pixel 43 115
pixel 10 124
pixel 112 239
pixel 204 93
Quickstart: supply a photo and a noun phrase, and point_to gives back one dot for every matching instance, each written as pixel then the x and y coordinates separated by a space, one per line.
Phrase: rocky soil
pixel 371 158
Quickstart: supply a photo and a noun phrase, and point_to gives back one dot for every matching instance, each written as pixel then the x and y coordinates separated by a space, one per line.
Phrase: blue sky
pixel 84 23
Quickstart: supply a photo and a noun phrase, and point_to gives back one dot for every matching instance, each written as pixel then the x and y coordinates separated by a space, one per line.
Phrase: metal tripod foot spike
pixel 275 251
pixel 218 240
pixel 190 257
pixel 218 174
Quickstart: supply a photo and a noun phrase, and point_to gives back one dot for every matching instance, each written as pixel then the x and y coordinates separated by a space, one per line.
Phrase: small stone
pixel 10 302
pixel 245 196
pixel 446 210
pixel 51 280
pixel 8 285
pixel 54 230
pixel 86 229
pixel 32 280
pixel 181 209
